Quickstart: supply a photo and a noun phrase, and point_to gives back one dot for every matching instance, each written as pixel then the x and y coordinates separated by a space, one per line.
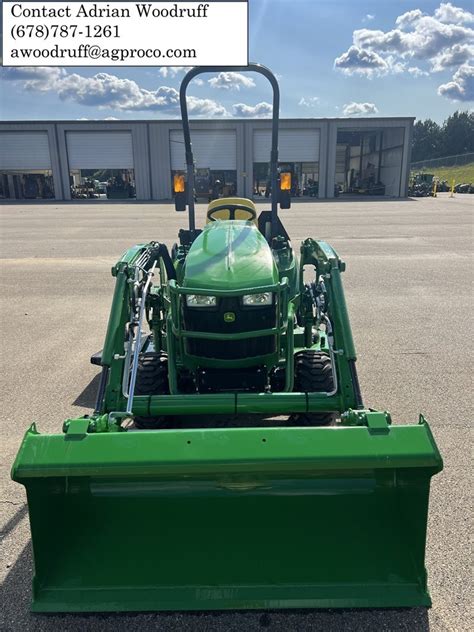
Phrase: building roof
pixel 365 119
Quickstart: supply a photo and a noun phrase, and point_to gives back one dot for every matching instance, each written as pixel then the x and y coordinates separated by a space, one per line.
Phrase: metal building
pixel 137 159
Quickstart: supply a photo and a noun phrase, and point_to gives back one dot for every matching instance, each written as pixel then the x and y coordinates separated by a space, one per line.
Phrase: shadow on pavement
pixel 15 596
pixel 12 523
pixel 87 398
pixel 342 198
pixel 261 200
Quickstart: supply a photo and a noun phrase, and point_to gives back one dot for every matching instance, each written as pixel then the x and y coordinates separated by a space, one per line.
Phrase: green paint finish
pixel 218 450
pixel 236 403
pixel 236 518
pixel 230 255
pixel 212 518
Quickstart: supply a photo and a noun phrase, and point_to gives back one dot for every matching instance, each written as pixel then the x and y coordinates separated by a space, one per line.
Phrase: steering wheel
pixel 236 211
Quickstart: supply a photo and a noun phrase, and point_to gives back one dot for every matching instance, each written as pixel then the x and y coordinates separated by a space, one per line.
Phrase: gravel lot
pixel 408 287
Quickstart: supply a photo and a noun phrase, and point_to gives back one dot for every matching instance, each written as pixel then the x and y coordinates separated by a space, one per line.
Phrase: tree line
pixel 454 136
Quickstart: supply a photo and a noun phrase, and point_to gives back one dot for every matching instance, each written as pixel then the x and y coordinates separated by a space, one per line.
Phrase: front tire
pixel 313 374
pixel 152 379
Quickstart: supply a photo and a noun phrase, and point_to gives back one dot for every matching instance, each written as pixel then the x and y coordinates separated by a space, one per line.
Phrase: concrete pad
pixel 408 286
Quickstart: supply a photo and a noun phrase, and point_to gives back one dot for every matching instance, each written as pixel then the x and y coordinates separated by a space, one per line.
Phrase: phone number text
pixel 44 32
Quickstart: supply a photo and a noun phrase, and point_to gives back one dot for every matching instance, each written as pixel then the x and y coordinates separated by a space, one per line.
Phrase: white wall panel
pixel 390 171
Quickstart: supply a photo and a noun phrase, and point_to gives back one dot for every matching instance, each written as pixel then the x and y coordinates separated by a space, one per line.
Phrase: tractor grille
pixel 246 319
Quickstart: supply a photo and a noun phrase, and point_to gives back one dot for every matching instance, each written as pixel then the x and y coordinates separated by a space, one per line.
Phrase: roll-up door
pixel 24 150
pixel 99 150
pixel 211 149
pixel 294 145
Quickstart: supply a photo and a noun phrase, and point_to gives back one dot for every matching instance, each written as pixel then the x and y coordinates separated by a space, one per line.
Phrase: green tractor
pixel 230 461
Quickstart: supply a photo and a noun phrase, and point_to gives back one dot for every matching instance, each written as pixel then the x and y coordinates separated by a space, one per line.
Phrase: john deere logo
pixel 229 317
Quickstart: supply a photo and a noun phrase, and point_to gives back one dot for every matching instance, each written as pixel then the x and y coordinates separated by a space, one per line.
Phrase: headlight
pixel 198 300
pixel 265 298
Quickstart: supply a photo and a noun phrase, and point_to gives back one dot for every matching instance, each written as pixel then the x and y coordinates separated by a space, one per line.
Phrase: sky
pixel 333 58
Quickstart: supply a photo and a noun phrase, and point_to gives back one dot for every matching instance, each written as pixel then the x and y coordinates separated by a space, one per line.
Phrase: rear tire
pixel 152 379
pixel 313 374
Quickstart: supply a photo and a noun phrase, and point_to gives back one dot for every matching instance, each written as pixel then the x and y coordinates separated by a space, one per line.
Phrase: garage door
pixel 295 145
pixel 24 150
pixel 211 149
pixel 99 150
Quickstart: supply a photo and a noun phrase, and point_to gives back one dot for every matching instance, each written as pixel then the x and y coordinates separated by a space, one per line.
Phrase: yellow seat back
pixel 232 208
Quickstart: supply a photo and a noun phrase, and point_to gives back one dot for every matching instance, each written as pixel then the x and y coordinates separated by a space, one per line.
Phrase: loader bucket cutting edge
pixel 229 518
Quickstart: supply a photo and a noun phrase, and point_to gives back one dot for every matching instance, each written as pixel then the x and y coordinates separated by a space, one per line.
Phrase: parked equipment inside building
pixel 230 461
pixel 211 185
pixel 28 186
pixel 85 190
pixel 120 188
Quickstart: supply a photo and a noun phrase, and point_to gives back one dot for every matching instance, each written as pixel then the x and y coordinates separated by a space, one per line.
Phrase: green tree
pixel 458 134
pixel 455 136
pixel 427 140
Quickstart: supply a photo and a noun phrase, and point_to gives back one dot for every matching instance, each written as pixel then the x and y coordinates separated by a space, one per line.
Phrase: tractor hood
pixel 230 255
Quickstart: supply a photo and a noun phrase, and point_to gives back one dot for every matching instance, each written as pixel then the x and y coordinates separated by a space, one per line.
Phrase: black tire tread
pixel 152 379
pixel 313 373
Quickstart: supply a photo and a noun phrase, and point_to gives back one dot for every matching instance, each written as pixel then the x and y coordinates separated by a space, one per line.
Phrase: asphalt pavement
pixel 409 291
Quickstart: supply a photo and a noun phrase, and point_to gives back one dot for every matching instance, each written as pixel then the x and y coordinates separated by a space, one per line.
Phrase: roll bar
pixel 263 70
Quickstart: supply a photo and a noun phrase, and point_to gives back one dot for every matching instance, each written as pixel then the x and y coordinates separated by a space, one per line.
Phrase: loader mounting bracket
pixel 77 428
pixel 377 422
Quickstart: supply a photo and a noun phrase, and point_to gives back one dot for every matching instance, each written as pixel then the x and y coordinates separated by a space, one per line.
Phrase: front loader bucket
pixel 228 518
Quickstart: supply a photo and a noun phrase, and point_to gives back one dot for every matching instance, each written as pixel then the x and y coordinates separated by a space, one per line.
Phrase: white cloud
pixel 370 40
pixel 260 110
pixel 359 61
pixel 231 81
pixel 104 90
pixel 461 88
pixel 368 18
pixel 452 57
pixel 171 71
pixel 36 73
pixel 309 102
pixel 420 37
pixel 437 42
pixel 414 71
pixel 206 107
pixel 359 109
pixel 395 66
pixel 107 118
pixel 34 78
pixel 447 13
pixel 408 18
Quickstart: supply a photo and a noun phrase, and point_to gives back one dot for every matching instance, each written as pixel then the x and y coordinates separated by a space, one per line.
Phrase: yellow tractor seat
pixel 232 208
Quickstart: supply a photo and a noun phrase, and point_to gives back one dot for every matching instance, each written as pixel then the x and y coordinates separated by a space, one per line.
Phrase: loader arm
pixel 327 263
